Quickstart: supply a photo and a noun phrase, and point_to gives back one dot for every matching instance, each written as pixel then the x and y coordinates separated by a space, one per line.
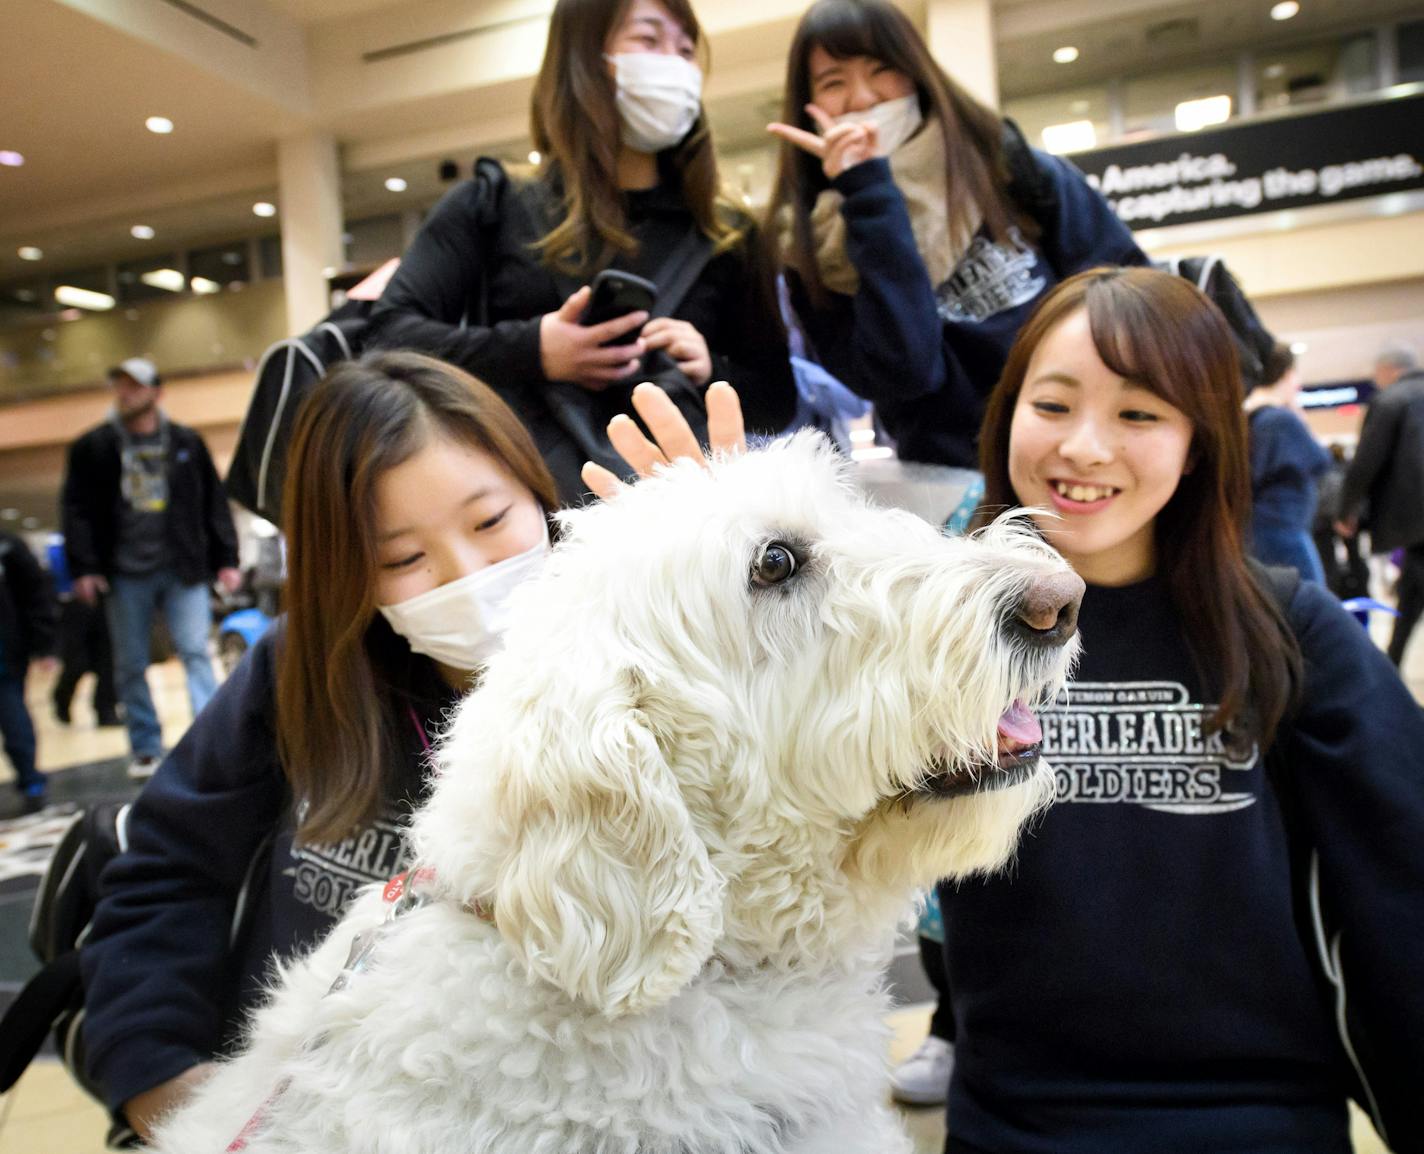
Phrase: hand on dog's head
pixel 713 722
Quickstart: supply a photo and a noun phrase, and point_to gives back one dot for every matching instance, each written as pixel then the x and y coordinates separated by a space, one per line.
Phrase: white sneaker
pixel 142 768
pixel 922 1079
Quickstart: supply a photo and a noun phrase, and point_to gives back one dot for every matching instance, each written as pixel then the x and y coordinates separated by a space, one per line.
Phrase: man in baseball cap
pixel 146 522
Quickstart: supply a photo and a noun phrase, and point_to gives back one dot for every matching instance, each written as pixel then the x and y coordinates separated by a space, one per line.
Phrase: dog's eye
pixel 774 564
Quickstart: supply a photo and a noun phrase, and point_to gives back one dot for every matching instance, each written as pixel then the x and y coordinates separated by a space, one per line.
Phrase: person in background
pixel 146 521
pixel 910 259
pixel 497 281
pixel 1286 463
pixel 27 622
pixel 83 646
pixel 1350 578
pixel 1385 483
pixel 414 502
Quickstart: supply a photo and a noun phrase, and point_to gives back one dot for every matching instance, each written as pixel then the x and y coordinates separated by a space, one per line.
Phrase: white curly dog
pixel 740 718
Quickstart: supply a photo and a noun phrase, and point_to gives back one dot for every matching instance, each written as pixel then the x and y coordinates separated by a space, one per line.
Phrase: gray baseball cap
pixel 141 369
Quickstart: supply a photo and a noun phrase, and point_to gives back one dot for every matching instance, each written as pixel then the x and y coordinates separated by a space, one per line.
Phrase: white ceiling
pixel 76 97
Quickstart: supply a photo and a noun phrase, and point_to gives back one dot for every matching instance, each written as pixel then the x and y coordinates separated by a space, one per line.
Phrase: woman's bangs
pixel 1113 316
pixel 845 30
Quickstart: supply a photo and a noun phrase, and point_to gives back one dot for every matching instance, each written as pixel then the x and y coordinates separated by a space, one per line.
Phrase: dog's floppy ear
pixel 605 889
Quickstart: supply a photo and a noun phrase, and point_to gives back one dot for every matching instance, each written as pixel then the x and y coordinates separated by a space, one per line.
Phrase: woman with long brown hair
pixel 1233 754
pixel 497 281
pixel 917 228
pixel 415 503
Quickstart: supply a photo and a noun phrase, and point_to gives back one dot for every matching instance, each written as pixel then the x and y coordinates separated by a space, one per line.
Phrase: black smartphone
pixel 616 294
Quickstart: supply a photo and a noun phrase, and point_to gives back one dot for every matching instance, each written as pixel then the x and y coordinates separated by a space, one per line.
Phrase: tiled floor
pixel 47 1114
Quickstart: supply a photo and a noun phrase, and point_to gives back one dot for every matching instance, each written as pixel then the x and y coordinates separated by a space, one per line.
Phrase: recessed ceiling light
pixel 534 157
pixel 10 158
pixel 10 514
pixel 264 208
pixel 141 232
pixel 396 184
pixel 168 279
pixel 81 298
pixel 1065 55
pixel 29 252
pixel 1194 114
pixel 1299 348
pixel 1275 71
pixel 203 286
pixel 1075 136
pixel 1285 10
pixel 159 124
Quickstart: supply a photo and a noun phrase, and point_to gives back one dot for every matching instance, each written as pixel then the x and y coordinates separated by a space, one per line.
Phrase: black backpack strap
pixel 490 180
pixel 33 1013
pixel 680 270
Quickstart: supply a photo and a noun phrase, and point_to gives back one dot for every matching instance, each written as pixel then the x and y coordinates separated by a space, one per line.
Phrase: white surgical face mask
pixel 897 120
pixel 658 98
pixel 461 624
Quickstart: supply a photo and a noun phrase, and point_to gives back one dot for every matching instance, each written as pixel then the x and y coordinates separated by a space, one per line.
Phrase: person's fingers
pixel 613 354
pixel 665 421
pixel 572 308
pixel 726 430
pixel 600 482
pixel 613 329
pixel 806 141
pixel 628 441
pixel 820 117
pixel 662 324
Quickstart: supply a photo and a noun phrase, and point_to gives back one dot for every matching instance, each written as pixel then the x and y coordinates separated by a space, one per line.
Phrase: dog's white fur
pixel 690 802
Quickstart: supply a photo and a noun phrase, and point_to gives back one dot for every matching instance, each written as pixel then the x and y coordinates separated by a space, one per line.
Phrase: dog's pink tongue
pixel 1019 726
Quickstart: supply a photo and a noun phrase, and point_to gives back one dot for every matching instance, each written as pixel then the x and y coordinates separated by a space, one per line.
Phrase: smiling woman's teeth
pixel 1083 493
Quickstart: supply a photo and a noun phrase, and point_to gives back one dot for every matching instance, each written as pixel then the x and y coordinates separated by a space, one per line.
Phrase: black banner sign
pixel 1284 162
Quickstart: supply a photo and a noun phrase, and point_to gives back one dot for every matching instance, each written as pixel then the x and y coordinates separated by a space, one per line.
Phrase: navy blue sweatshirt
pixel 1286 460
pixel 162 990
pixel 928 355
pixel 1137 980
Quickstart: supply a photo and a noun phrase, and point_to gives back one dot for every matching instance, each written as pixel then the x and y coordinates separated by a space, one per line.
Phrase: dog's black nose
pixel 1047 613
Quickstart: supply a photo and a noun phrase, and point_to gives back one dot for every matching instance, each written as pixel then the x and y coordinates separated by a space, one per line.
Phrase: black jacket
pixel 27 611
pixel 163 990
pixel 201 535
pixel 472 261
pixel 1387 473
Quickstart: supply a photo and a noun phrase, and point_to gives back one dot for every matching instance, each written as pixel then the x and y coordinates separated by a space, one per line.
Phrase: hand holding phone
pixel 616 294
pixel 593 356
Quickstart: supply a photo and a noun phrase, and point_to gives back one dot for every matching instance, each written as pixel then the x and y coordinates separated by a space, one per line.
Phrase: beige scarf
pixel 918 169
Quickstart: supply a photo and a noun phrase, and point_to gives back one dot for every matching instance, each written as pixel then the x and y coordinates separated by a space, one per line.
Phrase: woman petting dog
pixel 415 502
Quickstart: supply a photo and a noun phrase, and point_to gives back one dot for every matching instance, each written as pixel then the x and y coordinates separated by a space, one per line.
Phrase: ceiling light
pixel 10 158
pixel 141 232
pixel 159 124
pixel 203 286
pixel 10 514
pixel 1275 71
pixel 1065 55
pixel 81 298
pixel 1194 114
pixel 31 522
pixel 396 184
pixel 29 252
pixel 264 208
pixel 1299 348
pixel 1284 10
pixel 1074 136
pixel 534 157
pixel 26 295
pixel 169 279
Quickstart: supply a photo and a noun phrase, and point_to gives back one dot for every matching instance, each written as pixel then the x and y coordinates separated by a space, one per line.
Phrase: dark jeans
pixel 1411 601
pixel 932 958
pixel 19 734
pixel 84 648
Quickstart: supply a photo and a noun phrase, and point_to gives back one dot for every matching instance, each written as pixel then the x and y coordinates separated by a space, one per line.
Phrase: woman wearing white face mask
pixel 498 279
pixel 415 505
pixel 918 229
